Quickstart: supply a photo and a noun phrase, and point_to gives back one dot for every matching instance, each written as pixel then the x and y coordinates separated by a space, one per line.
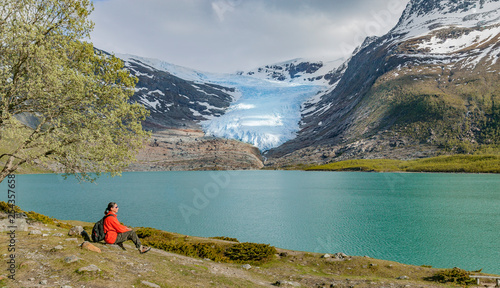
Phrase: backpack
pixel 98 230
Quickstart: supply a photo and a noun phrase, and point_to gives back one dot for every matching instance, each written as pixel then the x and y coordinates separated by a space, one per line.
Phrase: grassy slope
pixel 36 261
pixel 456 163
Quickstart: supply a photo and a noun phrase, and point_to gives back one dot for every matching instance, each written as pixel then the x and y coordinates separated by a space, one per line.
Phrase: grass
pixel 455 163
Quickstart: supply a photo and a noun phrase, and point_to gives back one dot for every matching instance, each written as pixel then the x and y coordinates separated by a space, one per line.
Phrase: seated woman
pixel 117 233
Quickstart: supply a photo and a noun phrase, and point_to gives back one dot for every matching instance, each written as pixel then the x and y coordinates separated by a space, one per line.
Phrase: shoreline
pixel 39 260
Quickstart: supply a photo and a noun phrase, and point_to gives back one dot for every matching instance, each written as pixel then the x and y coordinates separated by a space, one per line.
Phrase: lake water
pixel 443 220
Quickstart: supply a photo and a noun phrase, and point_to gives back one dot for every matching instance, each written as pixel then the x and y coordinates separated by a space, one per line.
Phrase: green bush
pixel 5 207
pixel 219 252
pixel 455 275
pixel 46 220
pixel 250 252
pixel 225 238
pixel 145 232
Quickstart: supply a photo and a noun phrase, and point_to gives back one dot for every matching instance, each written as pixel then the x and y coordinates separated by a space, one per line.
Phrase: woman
pixel 117 233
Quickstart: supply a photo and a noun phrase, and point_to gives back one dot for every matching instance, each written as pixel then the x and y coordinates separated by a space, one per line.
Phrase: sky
pixel 239 35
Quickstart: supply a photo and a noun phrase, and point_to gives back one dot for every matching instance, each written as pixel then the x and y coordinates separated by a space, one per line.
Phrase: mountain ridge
pixel 427 87
pixel 378 99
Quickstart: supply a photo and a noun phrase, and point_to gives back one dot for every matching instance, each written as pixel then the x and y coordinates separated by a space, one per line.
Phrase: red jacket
pixel 112 227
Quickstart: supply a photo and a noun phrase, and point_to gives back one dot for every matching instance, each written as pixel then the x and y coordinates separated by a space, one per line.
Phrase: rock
pixel 246 266
pixel 283 254
pixel 149 284
pixel 373 265
pixel 45 235
pixel 326 256
pixel 75 231
pixel 43 282
pixel 35 232
pixel 58 247
pixel 88 246
pixel 57 235
pixel 90 268
pixel 404 277
pixel 71 259
pixel 72 239
pixel 340 255
pixel 19 223
pixel 280 283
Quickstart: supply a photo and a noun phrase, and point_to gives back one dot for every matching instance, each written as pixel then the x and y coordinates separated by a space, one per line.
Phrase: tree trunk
pixel 7 169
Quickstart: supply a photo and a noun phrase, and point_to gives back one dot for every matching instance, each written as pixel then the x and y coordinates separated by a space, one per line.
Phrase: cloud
pixel 230 35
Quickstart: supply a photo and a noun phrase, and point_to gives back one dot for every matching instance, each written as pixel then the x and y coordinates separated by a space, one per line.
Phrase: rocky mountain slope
pixel 175 102
pixel 430 84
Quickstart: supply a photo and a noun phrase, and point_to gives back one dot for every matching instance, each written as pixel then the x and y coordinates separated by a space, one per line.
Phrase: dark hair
pixel 110 205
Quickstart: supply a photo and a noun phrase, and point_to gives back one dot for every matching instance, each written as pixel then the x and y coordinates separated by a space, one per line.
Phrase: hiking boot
pixel 144 249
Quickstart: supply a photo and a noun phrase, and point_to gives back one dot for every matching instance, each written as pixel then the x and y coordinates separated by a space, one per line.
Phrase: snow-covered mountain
pixel 254 107
pixel 300 71
pixel 432 79
pixel 175 100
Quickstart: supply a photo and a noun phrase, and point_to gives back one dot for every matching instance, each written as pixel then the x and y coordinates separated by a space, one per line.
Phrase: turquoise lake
pixel 443 220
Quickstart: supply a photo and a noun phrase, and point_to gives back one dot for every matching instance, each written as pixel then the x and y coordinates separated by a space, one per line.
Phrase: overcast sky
pixel 231 35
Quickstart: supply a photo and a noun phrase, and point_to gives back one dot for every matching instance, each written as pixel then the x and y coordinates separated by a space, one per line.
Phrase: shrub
pixel 455 275
pixel 145 232
pixel 210 251
pixel 219 252
pixel 46 220
pixel 225 238
pixel 250 252
pixel 7 208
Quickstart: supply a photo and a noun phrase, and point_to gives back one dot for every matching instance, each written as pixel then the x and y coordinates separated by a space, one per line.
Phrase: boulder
pixel 246 266
pixel 340 255
pixel 281 283
pixel 149 284
pixel 35 232
pixel 75 231
pixel 90 268
pixel 326 256
pixel 404 277
pixel 71 259
pixel 19 224
pixel 88 246
pixel 58 247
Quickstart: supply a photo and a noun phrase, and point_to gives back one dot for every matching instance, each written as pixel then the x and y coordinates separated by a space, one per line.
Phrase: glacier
pixel 264 112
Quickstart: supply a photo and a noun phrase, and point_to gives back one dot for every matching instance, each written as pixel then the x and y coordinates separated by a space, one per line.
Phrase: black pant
pixel 129 235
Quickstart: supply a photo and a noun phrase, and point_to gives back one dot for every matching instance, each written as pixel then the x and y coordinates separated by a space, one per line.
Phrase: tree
pixel 62 101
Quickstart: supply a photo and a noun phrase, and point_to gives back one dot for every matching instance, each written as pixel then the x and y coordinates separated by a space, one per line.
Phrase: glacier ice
pixel 264 112
pixel 267 113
